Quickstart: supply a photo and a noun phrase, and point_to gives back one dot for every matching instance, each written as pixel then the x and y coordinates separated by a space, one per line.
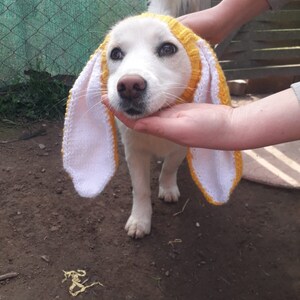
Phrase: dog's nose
pixel 131 86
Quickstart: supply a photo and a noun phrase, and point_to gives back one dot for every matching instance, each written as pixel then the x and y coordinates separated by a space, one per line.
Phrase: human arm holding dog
pixel 272 120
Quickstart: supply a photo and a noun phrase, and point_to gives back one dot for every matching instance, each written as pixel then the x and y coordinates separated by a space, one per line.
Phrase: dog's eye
pixel 166 49
pixel 116 54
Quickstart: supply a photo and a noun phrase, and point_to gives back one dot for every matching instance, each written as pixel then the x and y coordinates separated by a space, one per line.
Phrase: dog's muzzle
pixel 132 90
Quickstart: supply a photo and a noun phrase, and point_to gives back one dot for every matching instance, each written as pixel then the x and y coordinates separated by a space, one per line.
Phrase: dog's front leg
pixel 139 222
pixel 168 189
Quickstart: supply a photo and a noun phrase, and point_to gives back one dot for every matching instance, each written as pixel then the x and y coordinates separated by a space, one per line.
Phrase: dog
pixel 146 63
pixel 139 88
pixel 141 62
pixel 175 8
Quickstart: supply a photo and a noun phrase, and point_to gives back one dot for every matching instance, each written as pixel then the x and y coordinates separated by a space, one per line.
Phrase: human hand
pixel 216 23
pixel 205 25
pixel 189 124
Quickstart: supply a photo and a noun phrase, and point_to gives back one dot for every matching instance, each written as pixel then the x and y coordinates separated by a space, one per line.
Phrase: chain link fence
pixel 44 45
pixel 54 36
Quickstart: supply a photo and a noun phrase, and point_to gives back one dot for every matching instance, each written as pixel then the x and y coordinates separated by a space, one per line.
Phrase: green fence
pixel 54 36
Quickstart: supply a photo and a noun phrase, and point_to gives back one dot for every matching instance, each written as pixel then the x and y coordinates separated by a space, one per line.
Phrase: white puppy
pixel 144 64
pixel 175 8
pixel 149 69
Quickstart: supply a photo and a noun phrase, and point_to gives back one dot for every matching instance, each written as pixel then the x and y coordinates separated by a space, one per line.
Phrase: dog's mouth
pixel 133 108
pixel 134 112
pixel 140 110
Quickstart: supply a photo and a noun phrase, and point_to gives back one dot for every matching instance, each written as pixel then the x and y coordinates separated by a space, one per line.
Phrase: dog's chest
pixel 135 141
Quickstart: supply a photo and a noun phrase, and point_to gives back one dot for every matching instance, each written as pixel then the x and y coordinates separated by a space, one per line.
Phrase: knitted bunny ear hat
pixel 90 143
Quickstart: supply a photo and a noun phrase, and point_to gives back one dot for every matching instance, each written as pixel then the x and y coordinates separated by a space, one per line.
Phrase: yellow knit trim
pixel 188 39
pixel 66 113
pixel 68 103
pixel 224 94
pixel 104 79
pixel 238 169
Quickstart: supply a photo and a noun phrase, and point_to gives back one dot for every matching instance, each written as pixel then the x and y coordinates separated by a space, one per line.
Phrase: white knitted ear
pixel 88 143
pixel 215 172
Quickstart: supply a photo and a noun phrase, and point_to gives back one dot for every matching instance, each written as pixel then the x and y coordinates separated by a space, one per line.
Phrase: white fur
pixel 139 39
pixel 176 8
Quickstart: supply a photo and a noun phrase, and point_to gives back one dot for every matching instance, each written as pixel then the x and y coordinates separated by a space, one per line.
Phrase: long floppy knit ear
pixel 89 144
pixel 215 172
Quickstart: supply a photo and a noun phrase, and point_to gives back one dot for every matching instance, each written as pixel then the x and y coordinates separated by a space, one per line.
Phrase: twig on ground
pixel 183 208
pixel 158 281
pixel 8 276
pixel 225 280
pixel 176 241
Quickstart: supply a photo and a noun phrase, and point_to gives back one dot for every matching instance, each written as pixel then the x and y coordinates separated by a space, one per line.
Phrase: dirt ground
pixel 246 249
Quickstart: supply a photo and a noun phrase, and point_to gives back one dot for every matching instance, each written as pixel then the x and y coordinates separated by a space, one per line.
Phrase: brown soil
pixel 247 249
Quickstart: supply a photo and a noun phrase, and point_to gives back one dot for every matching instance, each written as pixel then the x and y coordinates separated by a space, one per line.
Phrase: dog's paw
pixel 137 228
pixel 169 195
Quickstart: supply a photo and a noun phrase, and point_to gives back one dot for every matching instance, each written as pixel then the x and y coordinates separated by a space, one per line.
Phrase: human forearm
pixel 272 120
pixel 216 23
pixel 235 13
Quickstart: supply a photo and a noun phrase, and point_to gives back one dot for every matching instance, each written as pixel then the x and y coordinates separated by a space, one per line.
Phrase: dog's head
pixel 148 67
